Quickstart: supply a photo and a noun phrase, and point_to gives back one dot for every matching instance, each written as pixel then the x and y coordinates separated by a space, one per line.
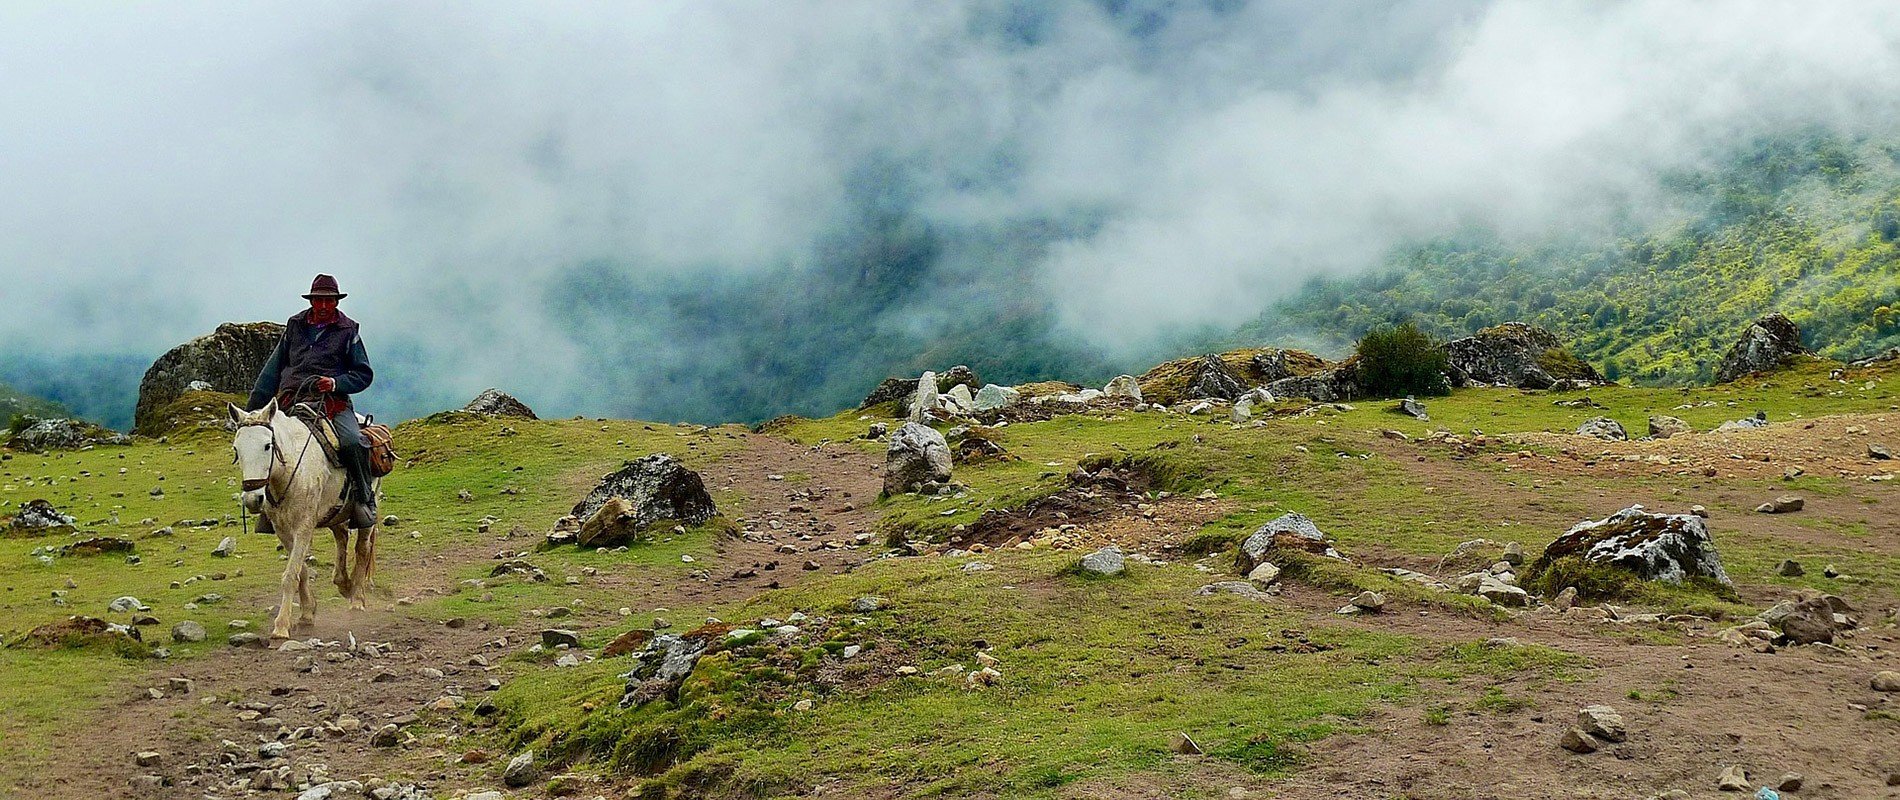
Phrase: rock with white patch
pixel 1657 547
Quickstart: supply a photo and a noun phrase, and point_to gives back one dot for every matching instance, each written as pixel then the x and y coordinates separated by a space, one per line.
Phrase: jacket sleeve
pixel 358 375
pixel 266 387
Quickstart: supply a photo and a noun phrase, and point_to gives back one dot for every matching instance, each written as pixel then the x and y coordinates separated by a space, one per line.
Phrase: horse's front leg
pixel 306 600
pixel 297 547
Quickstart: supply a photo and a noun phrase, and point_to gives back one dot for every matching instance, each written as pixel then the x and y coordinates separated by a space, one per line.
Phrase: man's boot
pixel 361 492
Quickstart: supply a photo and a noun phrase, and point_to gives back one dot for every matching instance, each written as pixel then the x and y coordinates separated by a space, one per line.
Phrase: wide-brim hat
pixel 324 286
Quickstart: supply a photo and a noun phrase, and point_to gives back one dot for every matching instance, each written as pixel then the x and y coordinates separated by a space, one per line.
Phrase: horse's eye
pixel 267 445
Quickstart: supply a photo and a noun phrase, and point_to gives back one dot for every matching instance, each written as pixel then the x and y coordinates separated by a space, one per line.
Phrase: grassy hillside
pixel 14 402
pixel 1804 227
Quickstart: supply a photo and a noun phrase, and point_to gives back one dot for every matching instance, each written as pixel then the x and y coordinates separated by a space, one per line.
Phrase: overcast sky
pixel 168 166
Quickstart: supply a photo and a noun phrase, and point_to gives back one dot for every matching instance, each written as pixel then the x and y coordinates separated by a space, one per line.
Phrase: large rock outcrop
pixel 644 491
pixel 1656 547
pixel 224 360
pixel 40 518
pixel 1515 354
pixel 1768 343
pixel 496 403
pixel 41 435
pixel 918 455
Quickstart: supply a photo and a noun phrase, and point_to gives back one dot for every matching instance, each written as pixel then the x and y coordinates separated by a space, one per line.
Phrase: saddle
pixel 321 429
pixel 382 454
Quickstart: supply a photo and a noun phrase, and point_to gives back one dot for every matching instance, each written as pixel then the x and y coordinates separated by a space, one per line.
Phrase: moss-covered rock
pixel 1171 382
pixel 191 411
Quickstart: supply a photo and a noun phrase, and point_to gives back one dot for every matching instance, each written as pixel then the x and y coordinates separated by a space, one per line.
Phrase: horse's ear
pixel 269 410
pixel 237 414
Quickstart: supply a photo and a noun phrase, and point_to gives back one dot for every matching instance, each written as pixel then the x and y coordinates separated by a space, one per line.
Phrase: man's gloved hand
pixel 326 384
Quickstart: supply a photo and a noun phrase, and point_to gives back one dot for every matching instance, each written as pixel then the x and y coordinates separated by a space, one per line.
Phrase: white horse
pixel 287 476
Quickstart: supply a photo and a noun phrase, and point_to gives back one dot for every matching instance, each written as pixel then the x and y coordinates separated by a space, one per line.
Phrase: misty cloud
pixel 636 208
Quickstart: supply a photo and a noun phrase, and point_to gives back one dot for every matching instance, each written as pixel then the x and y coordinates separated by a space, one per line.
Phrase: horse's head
pixel 253 445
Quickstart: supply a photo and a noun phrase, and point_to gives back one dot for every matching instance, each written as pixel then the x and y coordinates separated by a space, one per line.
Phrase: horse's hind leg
pixel 361 569
pixel 341 574
pixel 306 600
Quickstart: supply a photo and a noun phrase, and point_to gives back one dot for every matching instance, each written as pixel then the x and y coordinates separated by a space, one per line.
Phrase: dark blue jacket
pixel 315 351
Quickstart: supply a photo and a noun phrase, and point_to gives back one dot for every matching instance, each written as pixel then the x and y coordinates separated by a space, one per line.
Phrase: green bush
pixel 1401 360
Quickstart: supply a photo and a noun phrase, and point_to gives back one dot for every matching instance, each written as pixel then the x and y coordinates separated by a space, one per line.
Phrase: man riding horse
pixel 321 360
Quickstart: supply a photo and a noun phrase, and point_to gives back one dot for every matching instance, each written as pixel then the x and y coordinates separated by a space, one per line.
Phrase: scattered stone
pixel 1790 782
pixel 1789 568
pixel 1602 722
pixel 1123 386
pixel 557 637
pixel 1886 681
pixel 917 455
pixel 147 758
pixel 1577 741
pixel 1263 575
pixel 1106 561
pixel 1663 426
pixel 386 736
pixel 124 604
pixel 1879 452
pixel 245 639
pixel 189 631
pixel 1184 745
pixel 1733 779
pixel 1565 599
pixel 867 604
pixel 1699 510
pixel 1412 408
pixel 225 548
pixel 1368 601
pixel 1782 505
pixel 37 435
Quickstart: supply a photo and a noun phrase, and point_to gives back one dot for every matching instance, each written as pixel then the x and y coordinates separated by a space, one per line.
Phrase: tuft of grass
pixel 1597 582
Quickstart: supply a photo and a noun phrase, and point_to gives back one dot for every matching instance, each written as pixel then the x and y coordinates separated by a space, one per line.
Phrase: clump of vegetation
pixel 1401 360
pixel 1598 582
pixel 192 411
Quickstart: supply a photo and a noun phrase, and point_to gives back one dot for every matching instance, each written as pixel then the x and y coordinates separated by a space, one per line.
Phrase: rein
pixel 269 488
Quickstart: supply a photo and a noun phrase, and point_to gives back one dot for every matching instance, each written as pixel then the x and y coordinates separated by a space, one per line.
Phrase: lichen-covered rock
pixel 917 455
pixel 40 518
pixel 40 435
pixel 1212 378
pixel 228 359
pixel 1656 547
pixel 1325 386
pixel 1289 531
pixel 1106 561
pixel 924 399
pixel 1765 345
pixel 958 375
pixel 652 488
pixel 1603 428
pixel 496 403
pixel 1515 354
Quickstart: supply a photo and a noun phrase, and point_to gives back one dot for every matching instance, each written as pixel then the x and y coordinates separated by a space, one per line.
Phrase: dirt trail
pixel 813 500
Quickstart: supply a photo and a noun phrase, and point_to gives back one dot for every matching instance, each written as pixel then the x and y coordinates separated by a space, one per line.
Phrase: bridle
pixel 270 489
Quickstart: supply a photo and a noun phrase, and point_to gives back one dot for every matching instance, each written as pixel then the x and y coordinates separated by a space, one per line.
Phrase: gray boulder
pixel 1603 428
pixel 1515 354
pixel 228 360
pixel 1412 408
pixel 1329 386
pixel 496 403
pixel 917 455
pixel 891 390
pixel 39 518
pixel 651 488
pixel 663 664
pixel 1106 561
pixel 42 435
pixel 1765 345
pixel 924 399
pixel 1289 531
pixel 1655 547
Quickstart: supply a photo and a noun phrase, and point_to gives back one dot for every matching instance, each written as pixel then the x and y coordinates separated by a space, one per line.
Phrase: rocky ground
pixel 1313 688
